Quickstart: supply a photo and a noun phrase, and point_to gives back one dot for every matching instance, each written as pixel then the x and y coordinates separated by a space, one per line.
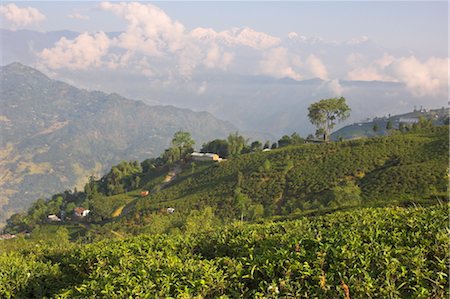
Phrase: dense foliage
pixel 366 253
pixel 325 113
pixel 398 169
pixel 316 176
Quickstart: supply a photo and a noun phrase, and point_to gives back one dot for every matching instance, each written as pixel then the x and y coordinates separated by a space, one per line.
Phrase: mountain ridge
pixel 53 129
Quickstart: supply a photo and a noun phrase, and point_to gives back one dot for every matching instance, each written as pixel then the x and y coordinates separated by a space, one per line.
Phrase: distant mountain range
pixel 252 101
pixel 53 135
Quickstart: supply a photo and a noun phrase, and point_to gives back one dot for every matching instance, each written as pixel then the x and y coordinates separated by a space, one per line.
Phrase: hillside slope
pixel 366 128
pixel 315 176
pixel 54 135
pixel 401 169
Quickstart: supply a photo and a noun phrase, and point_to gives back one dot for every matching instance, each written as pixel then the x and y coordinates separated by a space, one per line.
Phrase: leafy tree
pixel 183 142
pixel 171 155
pixel 296 139
pixel 149 164
pixel 326 112
pixel 274 145
pixel 236 144
pixel 70 207
pixel 284 141
pixel 217 146
pixel 266 145
pixel 182 139
pixel 242 201
pixel 256 146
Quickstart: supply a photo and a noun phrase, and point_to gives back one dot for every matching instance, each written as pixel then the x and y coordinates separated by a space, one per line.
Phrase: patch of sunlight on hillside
pixel 34 168
pixel 118 211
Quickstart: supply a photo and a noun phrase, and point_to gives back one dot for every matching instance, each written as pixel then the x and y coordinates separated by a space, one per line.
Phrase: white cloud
pixel 292 35
pixel 317 67
pixel 216 59
pixel 422 78
pixel 150 30
pixel 78 16
pixel 367 74
pixel 335 87
pixel 152 34
pixel 155 45
pixel 21 16
pixel 429 77
pixel 278 63
pixel 81 53
pixel 188 60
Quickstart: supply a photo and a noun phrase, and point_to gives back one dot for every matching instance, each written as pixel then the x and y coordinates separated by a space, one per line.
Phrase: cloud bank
pixel 21 16
pixel 156 46
pixel 426 77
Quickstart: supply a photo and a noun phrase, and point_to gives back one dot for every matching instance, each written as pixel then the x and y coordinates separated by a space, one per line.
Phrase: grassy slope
pixel 399 167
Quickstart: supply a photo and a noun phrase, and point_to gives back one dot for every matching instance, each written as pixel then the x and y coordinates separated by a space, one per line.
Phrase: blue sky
pixel 421 27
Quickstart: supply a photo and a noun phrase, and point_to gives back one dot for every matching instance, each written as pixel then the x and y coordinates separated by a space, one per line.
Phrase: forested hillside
pixel 54 135
pixel 401 169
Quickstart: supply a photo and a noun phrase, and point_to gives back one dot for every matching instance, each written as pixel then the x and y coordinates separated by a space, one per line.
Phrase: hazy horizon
pixel 241 60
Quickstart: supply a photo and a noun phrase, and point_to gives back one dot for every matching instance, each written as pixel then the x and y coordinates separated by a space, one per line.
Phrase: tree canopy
pixel 326 112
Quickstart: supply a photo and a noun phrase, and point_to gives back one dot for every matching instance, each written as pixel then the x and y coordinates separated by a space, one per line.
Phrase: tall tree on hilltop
pixel 326 112
pixel 236 144
pixel 183 142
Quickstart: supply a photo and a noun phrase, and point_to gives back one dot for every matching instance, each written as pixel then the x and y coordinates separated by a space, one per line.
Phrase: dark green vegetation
pixel 366 253
pixel 53 135
pixel 364 218
pixel 401 169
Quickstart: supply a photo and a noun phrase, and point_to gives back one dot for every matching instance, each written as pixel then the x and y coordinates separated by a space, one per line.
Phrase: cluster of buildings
pixel 78 212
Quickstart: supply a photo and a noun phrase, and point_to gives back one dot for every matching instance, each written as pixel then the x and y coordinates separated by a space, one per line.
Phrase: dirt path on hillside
pixel 172 175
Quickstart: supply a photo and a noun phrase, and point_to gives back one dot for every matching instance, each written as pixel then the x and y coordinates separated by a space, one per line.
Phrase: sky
pixel 419 26
pixel 187 45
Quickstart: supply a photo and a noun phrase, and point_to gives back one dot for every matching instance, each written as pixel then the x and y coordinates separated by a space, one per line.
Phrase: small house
pixel 81 212
pixel 170 210
pixel 205 157
pixel 144 193
pixel 53 218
